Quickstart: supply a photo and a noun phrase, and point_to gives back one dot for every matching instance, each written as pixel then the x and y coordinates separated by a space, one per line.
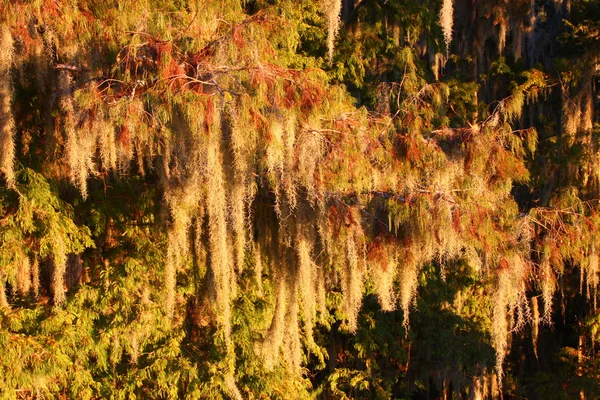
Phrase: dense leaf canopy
pixel 298 199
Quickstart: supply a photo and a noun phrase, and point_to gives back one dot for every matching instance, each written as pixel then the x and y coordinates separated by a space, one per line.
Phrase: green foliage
pixel 237 200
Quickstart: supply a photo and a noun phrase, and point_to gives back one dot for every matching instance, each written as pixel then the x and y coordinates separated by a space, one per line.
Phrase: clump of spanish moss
pixel 446 20
pixel 332 10
pixel 7 124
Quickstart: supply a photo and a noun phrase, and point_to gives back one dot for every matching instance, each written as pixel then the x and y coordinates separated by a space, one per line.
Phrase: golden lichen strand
pixel 35 277
pixel 3 299
pixel 438 63
pixel 75 152
pixel 409 274
pixel 592 266
pixel 477 388
pixel 289 165
pixel 59 258
pixel 495 386
pixel 548 286
pixel 184 206
pixel 24 276
pixel 446 21
pixel 306 284
pixel 243 149
pixel 321 292
pixel 309 148
pixel 106 144
pixel 509 298
pixel 269 347
pixel 87 148
pixel 134 350
pixel 332 10
pixel 171 263
pixel 275 161
pixel 502 35
pixel 221 264
pixel 291 340
pixel 383 276
pixel 232 389
pixel 238 222
pixel 500 325
pixel 535 324
pixel 7 123
pixel 352 281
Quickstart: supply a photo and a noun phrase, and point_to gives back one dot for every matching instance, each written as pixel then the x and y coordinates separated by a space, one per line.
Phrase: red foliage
pixel 260 122
pixel 408 147
pixel 290 94
pixel 503 264
pixel 162 49
pixel 124 136
pixel 50 8
pixel 349 218
pixel 456 220
pixel 376 252
pixel 21 31
pixel 377 249
pixel 263 75
pixel 312 96
pixel 236 36
pixel 334 218
pixel 87 14
pixel 209 117
pixel 175 72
